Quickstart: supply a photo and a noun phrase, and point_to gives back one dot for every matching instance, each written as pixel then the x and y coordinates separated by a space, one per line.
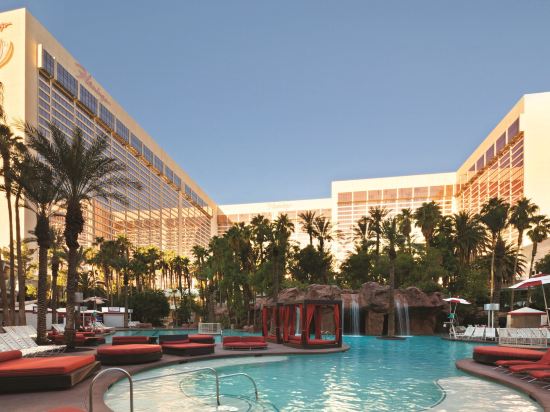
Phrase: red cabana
pixel 307 318
pixel 272 315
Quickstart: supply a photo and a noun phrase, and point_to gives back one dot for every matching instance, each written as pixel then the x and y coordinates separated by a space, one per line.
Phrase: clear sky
pixel 272 100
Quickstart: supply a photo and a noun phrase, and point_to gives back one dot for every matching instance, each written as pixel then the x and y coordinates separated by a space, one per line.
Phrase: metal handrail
pixel 214 371
pixel 246 376
pixel 125 372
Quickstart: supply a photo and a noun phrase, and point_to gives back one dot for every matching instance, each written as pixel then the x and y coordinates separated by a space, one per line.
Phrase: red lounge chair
pixel 516 362
pixel 244 342
pixel 183 346
pixel 126 340
pixel 19 374
pixel 128 354
pixel 491 354
pixel 81 339
pixel 540 374
pixel 201 338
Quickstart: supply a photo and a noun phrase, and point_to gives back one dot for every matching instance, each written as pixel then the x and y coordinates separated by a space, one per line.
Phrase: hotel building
pixel 43 83
pixel 511 162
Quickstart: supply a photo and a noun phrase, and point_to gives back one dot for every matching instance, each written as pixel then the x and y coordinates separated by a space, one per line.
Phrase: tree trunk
pixel 4 292
pixel 391 301
pixel 492 281
pixel 126 281
pixel 55 271
pixel 533 254
pixel 41 327
pixel 9 316
pixel 22 318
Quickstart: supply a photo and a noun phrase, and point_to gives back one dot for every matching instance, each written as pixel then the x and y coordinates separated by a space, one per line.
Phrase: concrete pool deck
pixel 534 389
pixel 77 397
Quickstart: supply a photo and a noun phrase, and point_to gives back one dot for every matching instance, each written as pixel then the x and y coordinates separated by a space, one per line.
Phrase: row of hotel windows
pixel 71 85
pixel 409 193
pixel 154 210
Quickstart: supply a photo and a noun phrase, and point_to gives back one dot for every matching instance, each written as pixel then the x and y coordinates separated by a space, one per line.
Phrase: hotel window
pixel 501 142
pixel 390 194
pixel 480 164
pixel 48 62
pixel 136 143
pixel 344 197
pixel 169 173
pixel 106 116
pixel 177 180
pixel 489 154
pixel 122 130
pixel 360 197
pixel 421 192
pixel 148 154
pixel 88 99
pixel 513 130
pixel 157 163
pixel 405 193
pixel 67 80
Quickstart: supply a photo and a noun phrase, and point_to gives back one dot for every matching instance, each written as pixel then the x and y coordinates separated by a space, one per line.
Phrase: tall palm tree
pixel 405 220
pixel 521 216
pixel 323 231
pixel 427 217
pixel 282 230
pixel 376 216
pixel 308 224
pixel 260 235
pixel 42 195
pixel 363 231
pixel 81 172
pixel 10 145
pixel 468 236
pixel 539 232
pixel 494 215
pixel 57 252
pixel 390 232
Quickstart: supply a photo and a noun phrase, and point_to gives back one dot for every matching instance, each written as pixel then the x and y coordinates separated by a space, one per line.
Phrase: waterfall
pixel 355 315
pixel 298 323
pixel 403 320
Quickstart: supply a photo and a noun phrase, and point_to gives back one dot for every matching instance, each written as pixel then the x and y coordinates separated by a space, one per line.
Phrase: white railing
pixel 210 328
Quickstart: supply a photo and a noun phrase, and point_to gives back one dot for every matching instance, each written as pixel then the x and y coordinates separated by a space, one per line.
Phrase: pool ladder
pixel 131 381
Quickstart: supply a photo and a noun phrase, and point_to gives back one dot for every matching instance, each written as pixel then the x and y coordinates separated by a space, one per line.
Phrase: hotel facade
pixel 43 83
pixel 511 162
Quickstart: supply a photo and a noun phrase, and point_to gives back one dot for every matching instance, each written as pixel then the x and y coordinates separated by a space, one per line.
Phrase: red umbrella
pixel 537 280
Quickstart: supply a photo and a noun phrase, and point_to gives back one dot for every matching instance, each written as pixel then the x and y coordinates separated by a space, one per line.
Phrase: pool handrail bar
pixel 246 376
pixel 214 371
pixel 103 372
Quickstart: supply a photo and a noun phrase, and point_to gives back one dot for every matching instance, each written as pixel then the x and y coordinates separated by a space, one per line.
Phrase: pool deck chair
pixel 479 333
pixel 28 347
pixel 467 333
pixel 490 334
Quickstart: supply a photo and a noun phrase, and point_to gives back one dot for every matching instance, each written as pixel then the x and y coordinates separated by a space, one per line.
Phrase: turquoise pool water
pixel 373 375
pixel 157 332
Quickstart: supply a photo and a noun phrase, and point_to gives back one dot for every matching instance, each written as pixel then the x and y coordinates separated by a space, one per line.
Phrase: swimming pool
pixel 374 374
pixel 157 332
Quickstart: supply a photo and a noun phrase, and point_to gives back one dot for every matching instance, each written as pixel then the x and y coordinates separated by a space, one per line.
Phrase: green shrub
pixel 150 306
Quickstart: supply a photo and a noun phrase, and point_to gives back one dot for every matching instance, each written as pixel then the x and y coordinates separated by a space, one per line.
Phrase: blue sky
pixel 272 100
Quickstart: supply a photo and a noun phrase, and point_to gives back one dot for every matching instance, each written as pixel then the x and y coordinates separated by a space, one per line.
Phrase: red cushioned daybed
pixel 81 339
pixel 127 340
pixel 19 374
pixel 244 342
pixel 128 354
pixel 183 345
pixel 491 354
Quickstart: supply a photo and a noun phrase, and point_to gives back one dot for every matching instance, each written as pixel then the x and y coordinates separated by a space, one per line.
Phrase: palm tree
pixel 468 236
pixel 376 216
pixel 427 217
pixel 308 224
pixel 81 172
pixel 521 215
pixel 363 231
pixel 260 235
pixel 391 234
pixel 9 146
pixel 57 252
pixel 405 219
pixel 539 232
pixel 323 231
pixel 42 195
pixel 282 229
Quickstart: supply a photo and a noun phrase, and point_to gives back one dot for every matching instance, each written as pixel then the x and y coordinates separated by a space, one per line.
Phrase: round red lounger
pixel 128 354
pixel 19 374
pixel 244 342
pixel 127 340
pixel 491 354
pixel 201 338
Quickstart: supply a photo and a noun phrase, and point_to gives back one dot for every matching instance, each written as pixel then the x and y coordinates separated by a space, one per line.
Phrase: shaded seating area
pixel 272 319
pixel 186 345
pixel 308 324
pixel 18 374
pixel 244 342
pixel 128 354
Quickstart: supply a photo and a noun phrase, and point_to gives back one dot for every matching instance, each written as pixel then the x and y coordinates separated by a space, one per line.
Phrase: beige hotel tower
pixel 43 83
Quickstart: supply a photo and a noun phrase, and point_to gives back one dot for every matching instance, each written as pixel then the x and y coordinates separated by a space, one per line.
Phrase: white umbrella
pixel 537 280
pixel 457 300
